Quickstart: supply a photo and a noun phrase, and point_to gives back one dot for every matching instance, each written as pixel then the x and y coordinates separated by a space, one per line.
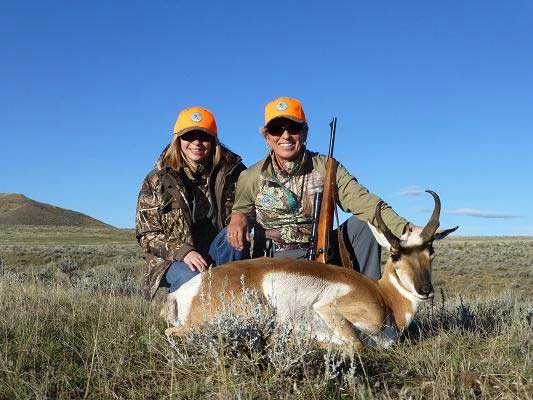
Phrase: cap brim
pixel 195 128
pixel 300 121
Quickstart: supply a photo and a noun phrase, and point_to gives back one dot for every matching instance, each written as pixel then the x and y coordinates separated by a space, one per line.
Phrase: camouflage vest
pixel 284 201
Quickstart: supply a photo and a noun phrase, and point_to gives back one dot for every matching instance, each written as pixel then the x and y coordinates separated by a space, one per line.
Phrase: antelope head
pixel 411 255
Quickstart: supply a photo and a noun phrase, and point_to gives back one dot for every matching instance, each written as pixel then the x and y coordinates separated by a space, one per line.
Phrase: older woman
pixel 184 204
pixel 276 195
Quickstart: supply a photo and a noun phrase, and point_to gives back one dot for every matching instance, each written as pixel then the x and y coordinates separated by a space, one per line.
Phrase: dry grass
pixel 63 343
pixel 64 235
pixel 469 266
pixel 73 326
pixel 484 266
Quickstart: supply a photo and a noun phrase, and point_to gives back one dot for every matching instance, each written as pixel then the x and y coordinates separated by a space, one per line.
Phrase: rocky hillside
pixel 17 209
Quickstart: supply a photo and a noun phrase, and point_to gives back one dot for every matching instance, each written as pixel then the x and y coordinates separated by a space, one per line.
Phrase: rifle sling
pixel 346 260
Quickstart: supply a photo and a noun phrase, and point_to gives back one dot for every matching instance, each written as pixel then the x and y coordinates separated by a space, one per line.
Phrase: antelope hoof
pixel 173 331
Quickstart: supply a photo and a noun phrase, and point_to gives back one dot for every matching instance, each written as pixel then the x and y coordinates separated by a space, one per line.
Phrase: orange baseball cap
pixel 195 119
pixel 285 107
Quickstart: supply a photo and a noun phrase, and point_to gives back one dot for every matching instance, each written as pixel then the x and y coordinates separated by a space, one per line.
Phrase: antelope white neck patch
pixel 405 293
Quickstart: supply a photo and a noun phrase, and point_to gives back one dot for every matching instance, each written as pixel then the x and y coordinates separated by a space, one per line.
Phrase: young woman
pixel 184 203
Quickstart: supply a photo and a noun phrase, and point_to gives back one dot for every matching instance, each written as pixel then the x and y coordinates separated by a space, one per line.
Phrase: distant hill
pixel 17 209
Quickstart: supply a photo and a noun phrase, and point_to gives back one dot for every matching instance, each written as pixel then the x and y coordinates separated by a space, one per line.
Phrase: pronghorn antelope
pixel 342 306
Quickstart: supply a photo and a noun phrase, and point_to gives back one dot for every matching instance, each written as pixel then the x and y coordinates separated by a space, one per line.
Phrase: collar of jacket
pixel 199 176
pixel 229 163
pixel 306 165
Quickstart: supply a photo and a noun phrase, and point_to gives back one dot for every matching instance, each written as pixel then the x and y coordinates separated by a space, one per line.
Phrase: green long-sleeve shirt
pixel 281 201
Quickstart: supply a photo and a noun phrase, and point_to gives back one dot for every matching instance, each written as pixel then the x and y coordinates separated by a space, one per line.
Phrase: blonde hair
pixel 175 159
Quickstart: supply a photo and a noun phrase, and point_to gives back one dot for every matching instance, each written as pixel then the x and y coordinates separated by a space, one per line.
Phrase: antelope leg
pixel 174 331
pixel 340 326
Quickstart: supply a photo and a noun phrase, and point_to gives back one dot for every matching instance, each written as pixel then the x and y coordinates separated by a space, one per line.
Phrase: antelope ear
pixel 442 234
pixel 380 237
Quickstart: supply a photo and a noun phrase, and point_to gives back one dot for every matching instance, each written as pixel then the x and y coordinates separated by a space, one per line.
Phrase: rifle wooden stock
pixel 327 209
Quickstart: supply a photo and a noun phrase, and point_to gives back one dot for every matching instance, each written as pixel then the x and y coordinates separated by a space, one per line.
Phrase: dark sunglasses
pixel 196 135
pixel 278 129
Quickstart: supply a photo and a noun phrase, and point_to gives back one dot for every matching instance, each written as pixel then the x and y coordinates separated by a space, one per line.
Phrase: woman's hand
pixel 238 231
pixel 195 261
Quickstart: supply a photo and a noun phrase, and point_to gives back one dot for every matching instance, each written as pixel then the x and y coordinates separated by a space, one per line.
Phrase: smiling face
pixel 286 138
pixel 196 146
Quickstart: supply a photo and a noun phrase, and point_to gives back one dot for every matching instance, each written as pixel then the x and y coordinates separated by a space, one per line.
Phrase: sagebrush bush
pixel 63 342
pixel 93 337
pixel 256 342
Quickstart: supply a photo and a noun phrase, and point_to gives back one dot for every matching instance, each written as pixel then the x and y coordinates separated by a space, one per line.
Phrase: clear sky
pixel 429 95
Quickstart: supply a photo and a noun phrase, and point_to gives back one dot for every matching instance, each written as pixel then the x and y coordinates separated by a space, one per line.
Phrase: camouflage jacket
pixel 284 202
pixel 166 225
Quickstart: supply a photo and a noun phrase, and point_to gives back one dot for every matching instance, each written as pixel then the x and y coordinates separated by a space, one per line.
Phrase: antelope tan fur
pixel 338 305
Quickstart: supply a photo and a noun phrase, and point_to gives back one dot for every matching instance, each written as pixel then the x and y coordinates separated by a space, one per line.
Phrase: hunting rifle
pixel 324 205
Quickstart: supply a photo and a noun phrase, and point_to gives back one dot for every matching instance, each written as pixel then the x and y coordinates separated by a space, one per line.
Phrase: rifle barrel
pixel 333 128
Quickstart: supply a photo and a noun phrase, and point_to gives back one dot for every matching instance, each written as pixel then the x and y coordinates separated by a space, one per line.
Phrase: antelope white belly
pixel 295 296
pixel 292 294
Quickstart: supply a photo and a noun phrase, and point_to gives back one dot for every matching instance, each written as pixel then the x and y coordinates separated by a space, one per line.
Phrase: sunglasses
pixel 196 135
pixel 278 129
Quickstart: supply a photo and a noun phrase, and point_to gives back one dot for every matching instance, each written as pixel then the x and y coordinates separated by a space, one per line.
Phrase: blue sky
pixel 432 95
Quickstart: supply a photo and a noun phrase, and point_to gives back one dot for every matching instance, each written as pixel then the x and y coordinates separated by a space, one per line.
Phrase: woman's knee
pixel 177 274
pixel 359 231
pixel 221 251
pixel 354 226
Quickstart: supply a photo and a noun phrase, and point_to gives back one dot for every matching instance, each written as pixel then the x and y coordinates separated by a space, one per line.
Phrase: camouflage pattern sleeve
pixel 161 229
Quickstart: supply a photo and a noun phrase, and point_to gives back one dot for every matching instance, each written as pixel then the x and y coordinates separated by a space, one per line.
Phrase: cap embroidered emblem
pixel 282 106
pixel 196 117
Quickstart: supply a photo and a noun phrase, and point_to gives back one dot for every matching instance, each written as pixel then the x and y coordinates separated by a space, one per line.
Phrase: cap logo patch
pixel 282 106
pixel 196 117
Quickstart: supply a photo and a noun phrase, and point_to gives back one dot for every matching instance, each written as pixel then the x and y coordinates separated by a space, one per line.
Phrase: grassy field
pixel 72 325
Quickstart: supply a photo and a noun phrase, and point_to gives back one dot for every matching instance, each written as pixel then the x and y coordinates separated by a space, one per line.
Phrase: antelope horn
pixel 433 223
pixel 393 240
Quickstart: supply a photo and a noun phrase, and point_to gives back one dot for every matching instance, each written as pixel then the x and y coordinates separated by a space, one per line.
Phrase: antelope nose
pixel 427 289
